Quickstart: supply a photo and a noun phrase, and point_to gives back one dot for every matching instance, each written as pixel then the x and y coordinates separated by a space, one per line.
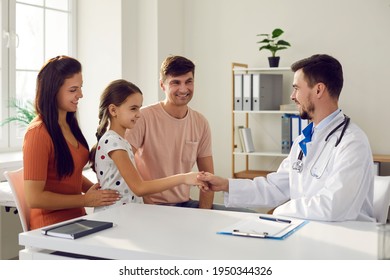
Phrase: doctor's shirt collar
pixel 326 121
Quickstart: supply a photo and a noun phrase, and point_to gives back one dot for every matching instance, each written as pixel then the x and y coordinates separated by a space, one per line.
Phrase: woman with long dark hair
pixel 55 150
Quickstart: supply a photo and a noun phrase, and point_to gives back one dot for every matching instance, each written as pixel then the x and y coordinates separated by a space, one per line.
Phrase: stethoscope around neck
pixel 298 165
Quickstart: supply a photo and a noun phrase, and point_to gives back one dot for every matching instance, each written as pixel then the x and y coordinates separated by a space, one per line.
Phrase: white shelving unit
pixel 245 116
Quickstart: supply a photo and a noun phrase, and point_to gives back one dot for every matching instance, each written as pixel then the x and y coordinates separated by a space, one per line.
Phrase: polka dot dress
pixel 108 174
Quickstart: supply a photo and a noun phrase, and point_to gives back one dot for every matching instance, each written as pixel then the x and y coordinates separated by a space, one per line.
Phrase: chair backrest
pixel 16 181
pixel 381 198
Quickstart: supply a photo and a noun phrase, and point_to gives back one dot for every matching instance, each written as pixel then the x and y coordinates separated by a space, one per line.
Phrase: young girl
pixel 113 159
pixel 55 150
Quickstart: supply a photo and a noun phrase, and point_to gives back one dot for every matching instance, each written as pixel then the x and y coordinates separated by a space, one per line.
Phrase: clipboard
pixel 264 226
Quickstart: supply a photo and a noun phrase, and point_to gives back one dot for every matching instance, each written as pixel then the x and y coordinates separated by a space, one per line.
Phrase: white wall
pixel 100 52
pixel 171 29
pixel 147 40
pixel 219 32
pixel 215 33
pixel 129 43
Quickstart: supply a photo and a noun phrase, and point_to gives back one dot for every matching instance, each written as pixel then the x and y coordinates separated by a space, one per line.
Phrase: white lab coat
pixel 343 191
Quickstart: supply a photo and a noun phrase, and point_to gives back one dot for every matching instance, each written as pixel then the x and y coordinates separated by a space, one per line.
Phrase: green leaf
pixel 271 42
pixel 283 43
pixel 264 41
pixel 264 47
pixel 277 32
pixel 25 112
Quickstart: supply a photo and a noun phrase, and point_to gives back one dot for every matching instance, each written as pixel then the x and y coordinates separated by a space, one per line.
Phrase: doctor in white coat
pixel 328 175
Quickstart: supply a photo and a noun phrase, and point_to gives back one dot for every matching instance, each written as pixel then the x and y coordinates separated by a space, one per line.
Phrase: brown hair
pixel 115 93
pixel 176 66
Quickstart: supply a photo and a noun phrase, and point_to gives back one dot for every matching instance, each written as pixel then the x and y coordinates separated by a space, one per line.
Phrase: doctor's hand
pixel 191 178
pixel 214 183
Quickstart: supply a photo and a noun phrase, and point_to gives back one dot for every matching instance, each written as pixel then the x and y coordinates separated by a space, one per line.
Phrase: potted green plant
pixel 25 112
pixel 273 43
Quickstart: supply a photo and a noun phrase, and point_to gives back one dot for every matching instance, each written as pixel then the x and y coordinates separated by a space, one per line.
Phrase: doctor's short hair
pixel 322 68
pixel 175 65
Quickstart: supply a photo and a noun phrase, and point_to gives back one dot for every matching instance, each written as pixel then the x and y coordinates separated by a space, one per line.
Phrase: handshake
pixel 209 182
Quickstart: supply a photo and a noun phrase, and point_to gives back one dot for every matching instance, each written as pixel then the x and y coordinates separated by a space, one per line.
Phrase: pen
pixel 275 219
pixel 249 234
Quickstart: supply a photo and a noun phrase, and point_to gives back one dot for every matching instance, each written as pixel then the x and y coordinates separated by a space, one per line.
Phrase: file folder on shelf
pixel 238 92
pixel 247 140
pixel 296 127
pixel 240 146
pixel 292 126
pixel 256 88
pixel 267 91
pixel 264 226
pixel 286 134
pixel 247 92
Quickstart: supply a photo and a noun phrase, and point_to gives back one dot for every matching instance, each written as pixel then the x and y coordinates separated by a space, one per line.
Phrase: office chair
pixel 381 198
pixel 16 181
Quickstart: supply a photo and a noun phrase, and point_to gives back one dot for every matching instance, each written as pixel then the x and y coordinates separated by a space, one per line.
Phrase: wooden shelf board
pixel 262 69
pixel 265 154
pixel 381 158
pixel 281 112
pixel 250 174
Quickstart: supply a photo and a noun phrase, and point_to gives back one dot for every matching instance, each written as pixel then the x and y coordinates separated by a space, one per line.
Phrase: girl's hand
pixel 191 178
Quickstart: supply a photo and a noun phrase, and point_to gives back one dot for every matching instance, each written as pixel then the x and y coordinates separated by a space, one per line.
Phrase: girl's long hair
pixel 115 93
pixel 49 81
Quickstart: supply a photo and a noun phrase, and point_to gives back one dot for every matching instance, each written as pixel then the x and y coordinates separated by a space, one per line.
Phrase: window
pixel 33 31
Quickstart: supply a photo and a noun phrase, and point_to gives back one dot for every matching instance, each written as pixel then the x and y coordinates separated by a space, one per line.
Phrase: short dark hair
pixel 175 65
pixel 322 68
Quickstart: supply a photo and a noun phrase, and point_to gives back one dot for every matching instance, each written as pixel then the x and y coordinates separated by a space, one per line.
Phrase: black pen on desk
pixel 275 219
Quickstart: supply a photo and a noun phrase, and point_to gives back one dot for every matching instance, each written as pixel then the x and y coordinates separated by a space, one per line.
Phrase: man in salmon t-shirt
pixel 170 137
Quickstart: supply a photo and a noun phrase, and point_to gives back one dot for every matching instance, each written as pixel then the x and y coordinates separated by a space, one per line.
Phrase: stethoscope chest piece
pixel 298 165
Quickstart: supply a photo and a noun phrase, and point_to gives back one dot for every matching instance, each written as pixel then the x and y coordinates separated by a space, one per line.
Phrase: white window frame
pixel 11 142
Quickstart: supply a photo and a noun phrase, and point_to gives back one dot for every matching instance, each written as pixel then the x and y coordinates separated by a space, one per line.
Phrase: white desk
pixel 164 232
